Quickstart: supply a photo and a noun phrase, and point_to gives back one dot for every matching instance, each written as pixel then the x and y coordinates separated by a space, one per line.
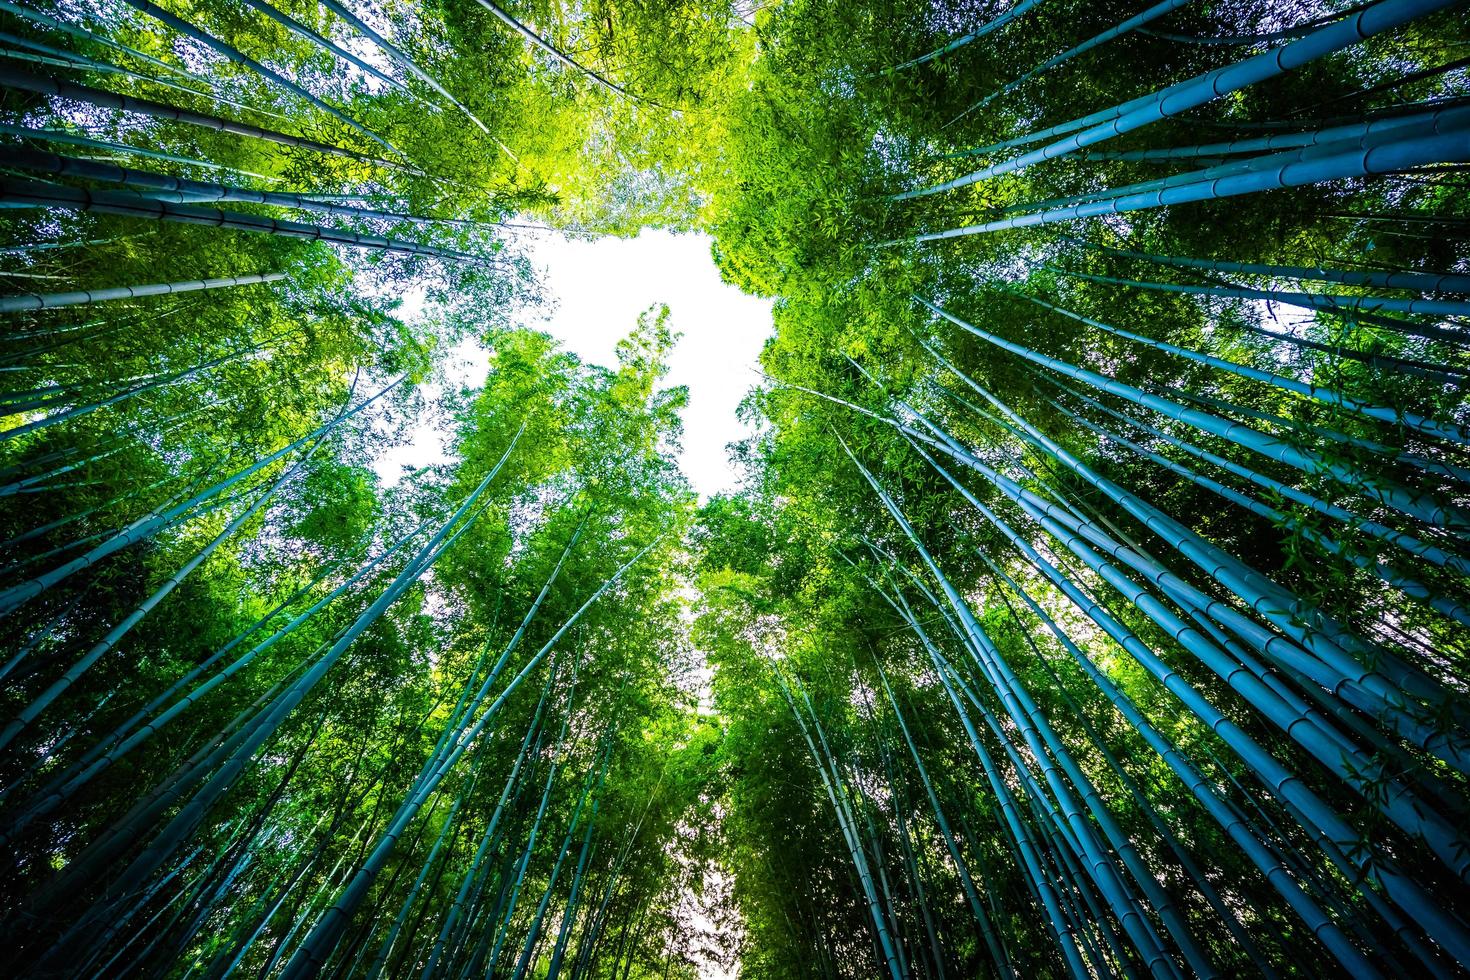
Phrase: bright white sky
pixel 597 289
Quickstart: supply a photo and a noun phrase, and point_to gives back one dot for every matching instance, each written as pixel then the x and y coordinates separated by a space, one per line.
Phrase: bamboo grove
pixel 1095 602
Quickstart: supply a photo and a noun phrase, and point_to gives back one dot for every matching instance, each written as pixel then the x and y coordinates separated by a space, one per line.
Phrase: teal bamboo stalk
pixel 1437 373
pixel 1339 668
pixel 101 98
pixel 835 795
pixel 1382 16
pixel 428 864
pixel 1078 889
pixel 181 899
pixel 1039 739
pixel 183 190
pixel 199 510
pixel 454 730
pixel 1328 829
pixel 103 851
pixel 1016 10
pixel 852 802
pixel 242 947
pixel 587 944
pixel 1224 814
pixel 233 54
pixel 1427 282
pixel 43 529
pixel 1369 739
pixel 558 54
pixel 1306 460
pixel 163 381
pixel 51 246
pixel 72 334
pixel 1328 396
pixel 998 954
pixel 269 720
pixel 98 748
pixel 73 139
pixel 933 964
pixel 119 743
pixel 1233 40
pixel 1335 835
pixel 85 297
pixel 42 482
pixel 890 901
pixel 1273 142
pixel 570 913
pixel 1432 71
pixel 591 789
pixel 1118 30
pixel 1382 133
pixel 248 854
pixel 33 194
pixel 336 50
pixel 399 58
pixel 1070 874
pixel 1295 861
pixel 1348 306
pixel 1196 874
pixel 318 894
pixel 486 839
pixel 31 711
pixel 1046 893
pixel 1429 915
pixel 37 638
pixel 1413 545
pixel 1271 173
pixel 62 27
pixel 58 58
pixel 1438 466
pixel 1409 586
pixel 313 952
pixel 1337 640
pixel 1033 723
pixel 501 921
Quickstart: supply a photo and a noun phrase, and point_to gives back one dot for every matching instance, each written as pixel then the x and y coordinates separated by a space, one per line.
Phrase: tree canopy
pixel 1096 597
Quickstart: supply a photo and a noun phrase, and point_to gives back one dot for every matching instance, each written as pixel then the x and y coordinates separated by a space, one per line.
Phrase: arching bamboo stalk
pixel 1428 282
pixel 336 50
pixel 56 57
pixel 43 20
pixel 1381 16
pixel 86 297
pixel 55 136
pixel 1132 23
pixel 34 194
pixel 1328 396
pixel 1284 170
pixel 400 58
pixel 275 78
pixel 101 98
pixel 182 190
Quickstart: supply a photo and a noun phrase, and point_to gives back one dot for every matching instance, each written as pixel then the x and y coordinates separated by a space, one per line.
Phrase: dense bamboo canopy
pixel 1095 601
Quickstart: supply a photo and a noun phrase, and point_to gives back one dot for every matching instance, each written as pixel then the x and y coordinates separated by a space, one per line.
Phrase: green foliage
pixel 1028 647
